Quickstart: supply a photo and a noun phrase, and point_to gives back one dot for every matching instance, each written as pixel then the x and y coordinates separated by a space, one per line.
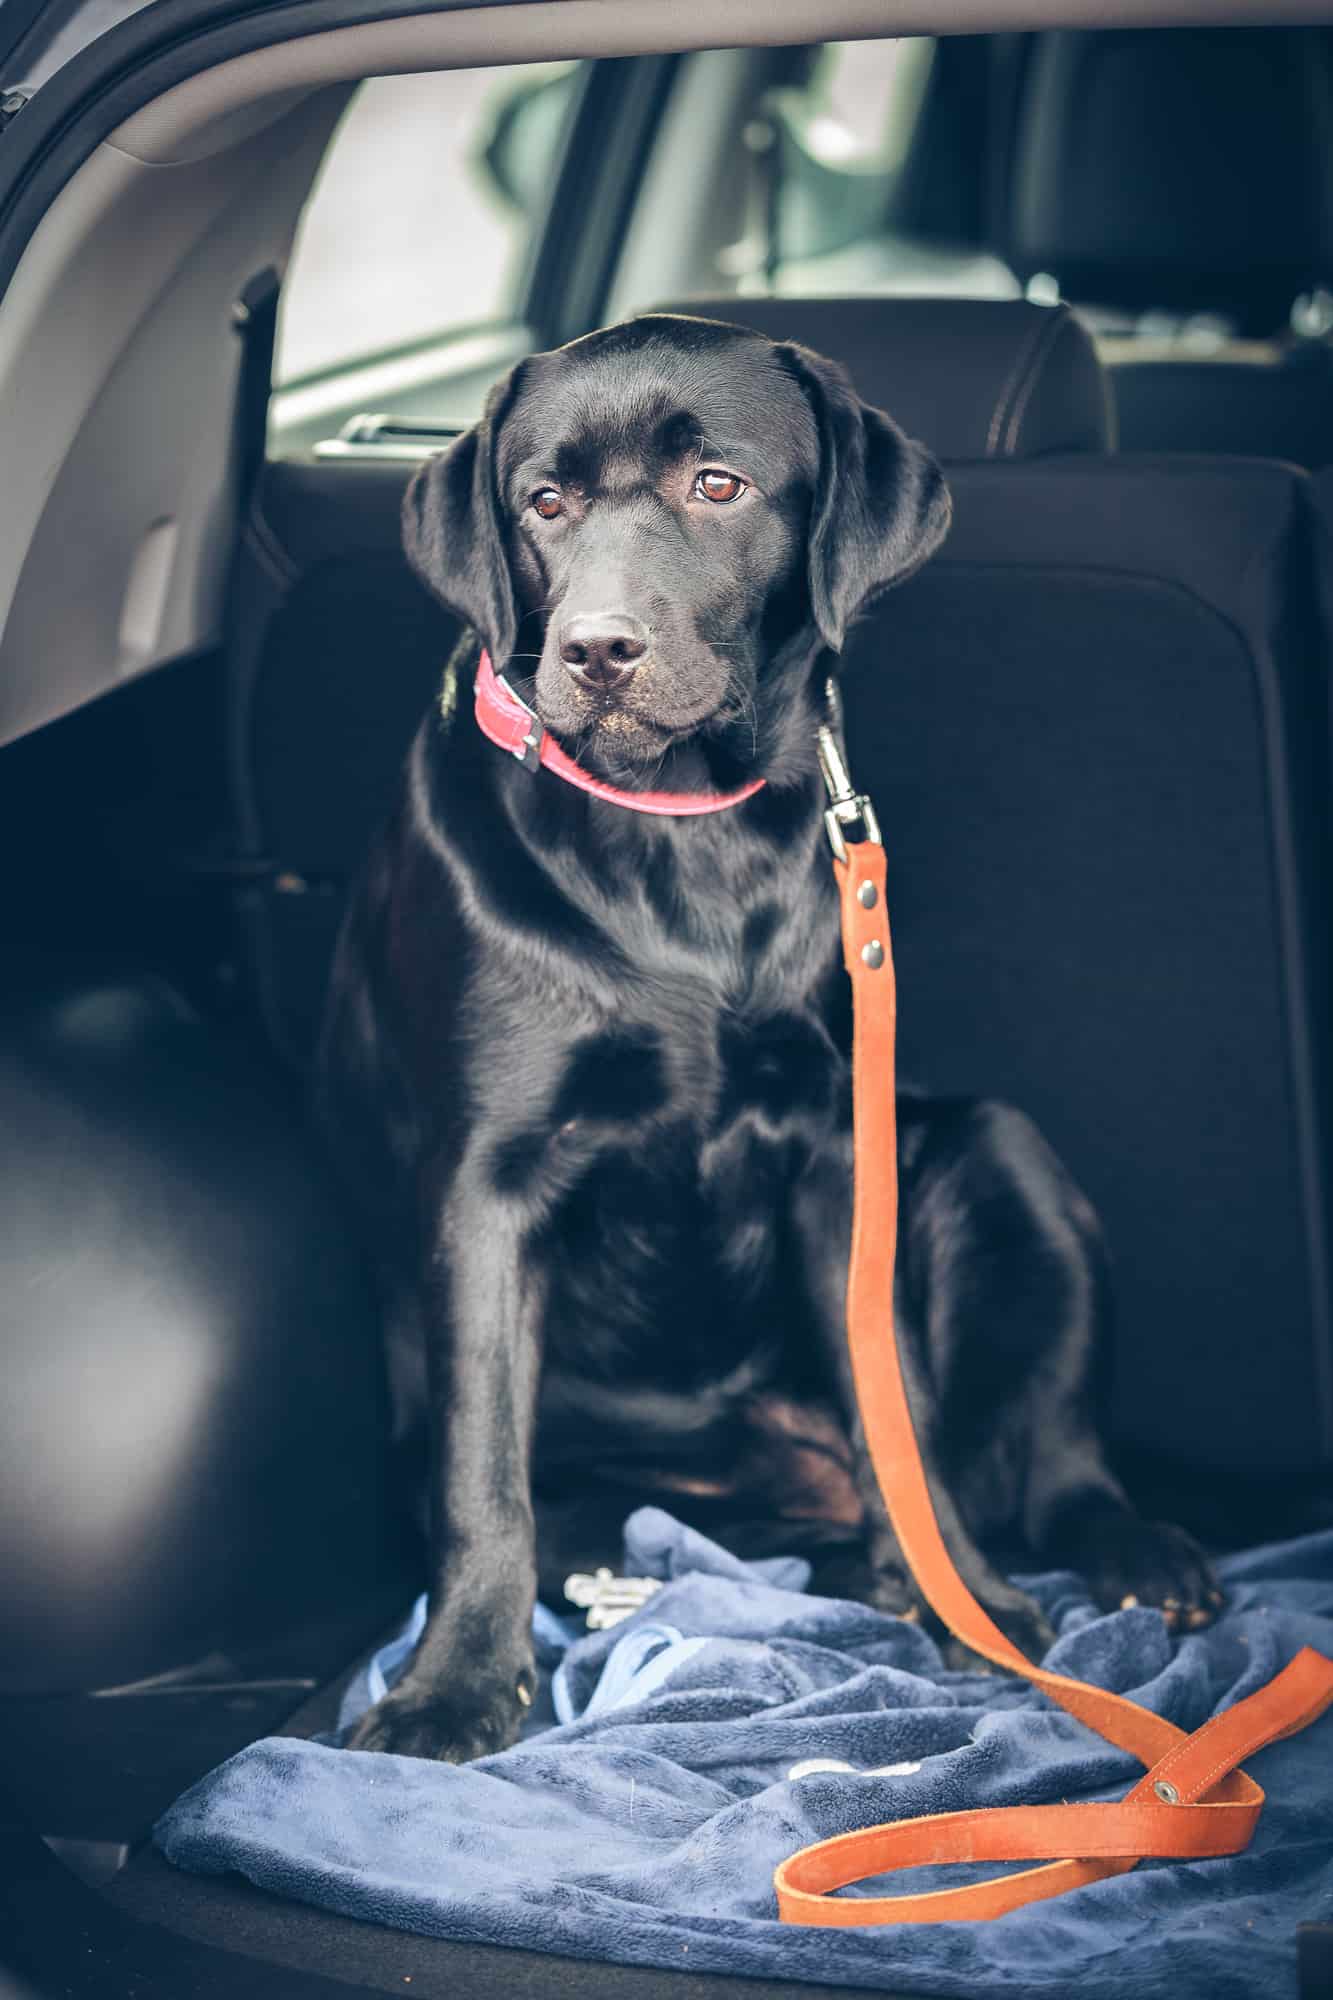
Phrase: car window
pixel 842 140
pixel 841 151
pixel 423 215
pixel 861 171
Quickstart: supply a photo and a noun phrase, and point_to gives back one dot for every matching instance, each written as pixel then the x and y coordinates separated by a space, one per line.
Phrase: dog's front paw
pixel 453 1723
pixel 1130 1561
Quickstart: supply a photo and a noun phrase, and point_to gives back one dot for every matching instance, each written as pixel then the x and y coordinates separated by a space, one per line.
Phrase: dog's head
pixel 662 505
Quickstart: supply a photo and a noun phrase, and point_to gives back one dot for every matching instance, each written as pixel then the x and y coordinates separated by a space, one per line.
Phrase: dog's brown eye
pixel 719 486
pixel 548 503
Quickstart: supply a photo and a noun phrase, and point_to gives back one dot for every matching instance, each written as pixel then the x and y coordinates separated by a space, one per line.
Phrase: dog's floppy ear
pixel 881 506
pixel 453 528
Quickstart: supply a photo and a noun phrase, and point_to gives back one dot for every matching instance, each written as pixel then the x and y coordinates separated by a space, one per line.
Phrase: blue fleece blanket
pixel 735 1718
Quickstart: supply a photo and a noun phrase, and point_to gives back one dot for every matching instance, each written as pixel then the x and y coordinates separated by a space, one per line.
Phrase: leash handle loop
pixel 1193 1800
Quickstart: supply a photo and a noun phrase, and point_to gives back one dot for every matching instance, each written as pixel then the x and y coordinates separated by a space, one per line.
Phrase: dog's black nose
pixel 603 651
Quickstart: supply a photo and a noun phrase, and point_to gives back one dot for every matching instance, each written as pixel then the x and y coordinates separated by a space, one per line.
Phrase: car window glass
pixel 840 148
pixel 424 212
pixel 862 171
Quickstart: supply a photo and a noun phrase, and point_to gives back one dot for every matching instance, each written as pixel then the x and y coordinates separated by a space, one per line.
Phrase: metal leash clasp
pixel 846 807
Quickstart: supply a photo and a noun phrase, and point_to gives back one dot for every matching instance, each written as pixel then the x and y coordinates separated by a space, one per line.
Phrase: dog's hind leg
pixel 1004 1258
pixel 821 1216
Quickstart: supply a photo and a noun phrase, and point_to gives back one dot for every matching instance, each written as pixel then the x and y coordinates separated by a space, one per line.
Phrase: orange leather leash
pixel 1193 1800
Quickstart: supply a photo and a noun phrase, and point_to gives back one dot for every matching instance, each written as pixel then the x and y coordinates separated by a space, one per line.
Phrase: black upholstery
pixel 1322 487
pixel 974 378
pixel 1095 728
pixel 1185 169
pixel 1275 406
pixel 191 1455
pixel 336 654
pixel 1189 170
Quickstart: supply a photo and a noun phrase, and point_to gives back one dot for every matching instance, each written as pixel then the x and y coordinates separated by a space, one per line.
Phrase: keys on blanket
pixel 608 1598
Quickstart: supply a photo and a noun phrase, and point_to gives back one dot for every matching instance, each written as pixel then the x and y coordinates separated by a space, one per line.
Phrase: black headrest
pixel 1190 169
pixel 972 378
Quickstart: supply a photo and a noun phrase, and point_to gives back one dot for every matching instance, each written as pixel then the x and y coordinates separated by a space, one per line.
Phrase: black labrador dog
pixel 588 1066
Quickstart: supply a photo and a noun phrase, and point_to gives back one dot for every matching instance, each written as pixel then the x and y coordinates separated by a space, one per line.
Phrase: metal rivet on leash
pixel 867 895
pixel 872 954
pixel 1166 1792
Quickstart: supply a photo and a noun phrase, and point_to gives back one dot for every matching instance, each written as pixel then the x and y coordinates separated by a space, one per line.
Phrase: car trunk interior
pixel 1112 892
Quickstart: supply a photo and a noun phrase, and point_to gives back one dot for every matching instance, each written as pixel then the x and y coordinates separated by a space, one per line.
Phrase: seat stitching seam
pixel 1015 376
pixel 1039 363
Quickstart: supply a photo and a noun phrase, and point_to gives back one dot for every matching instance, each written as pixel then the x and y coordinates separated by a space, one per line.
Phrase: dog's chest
pixel 698 1084
pixel 677 1147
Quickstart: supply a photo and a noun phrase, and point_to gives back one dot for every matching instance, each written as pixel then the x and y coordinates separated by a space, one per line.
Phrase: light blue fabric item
pixel 636 1666
pixel 646 1830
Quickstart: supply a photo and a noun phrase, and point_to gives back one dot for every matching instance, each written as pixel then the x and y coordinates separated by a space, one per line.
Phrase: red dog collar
pixel 509 723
